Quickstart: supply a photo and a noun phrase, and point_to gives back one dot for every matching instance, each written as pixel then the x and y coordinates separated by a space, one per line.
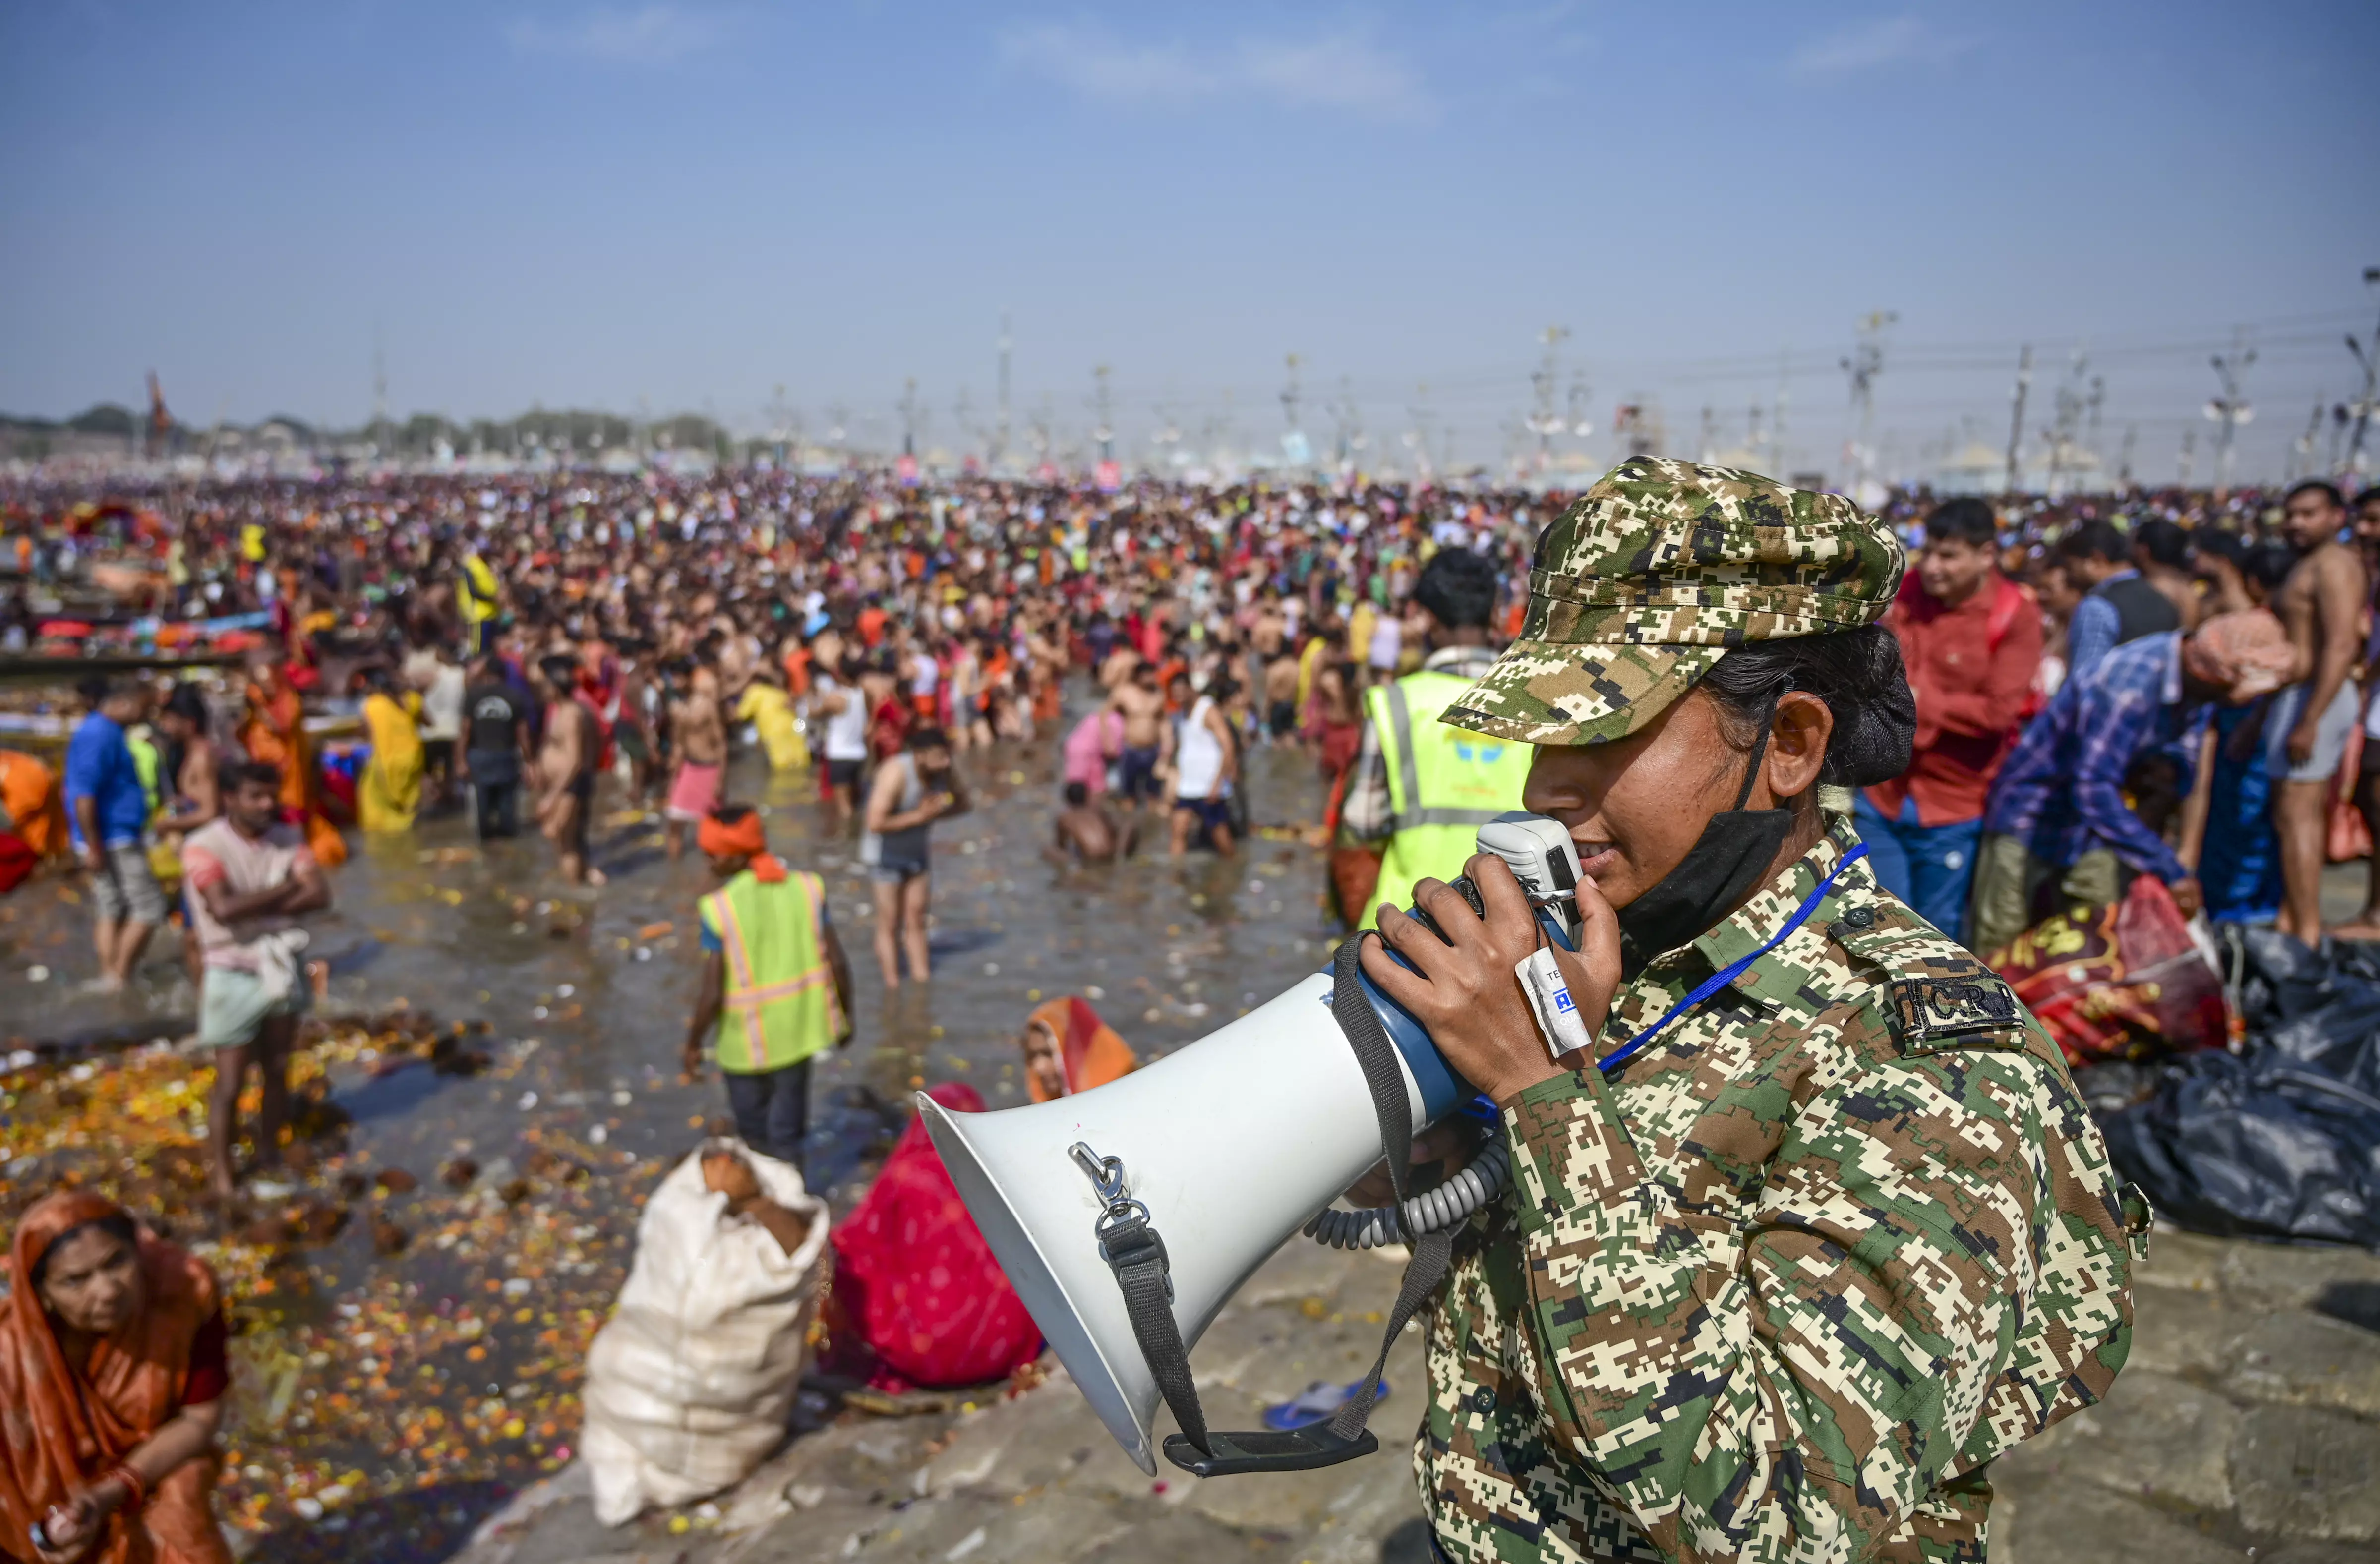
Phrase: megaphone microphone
pixel 1125 1231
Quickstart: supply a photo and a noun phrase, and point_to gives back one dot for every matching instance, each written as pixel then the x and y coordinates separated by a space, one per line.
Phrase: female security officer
pixel 1822 1225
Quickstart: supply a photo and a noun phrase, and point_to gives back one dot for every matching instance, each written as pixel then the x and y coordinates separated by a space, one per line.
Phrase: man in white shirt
pixel 250 875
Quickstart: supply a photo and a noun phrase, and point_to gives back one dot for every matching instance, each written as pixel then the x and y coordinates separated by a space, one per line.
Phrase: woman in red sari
pixel 918 1300
pixel 112 1376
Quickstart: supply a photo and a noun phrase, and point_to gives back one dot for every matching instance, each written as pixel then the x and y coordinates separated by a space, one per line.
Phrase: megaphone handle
pixel 1137 1254
pixel 1129 1243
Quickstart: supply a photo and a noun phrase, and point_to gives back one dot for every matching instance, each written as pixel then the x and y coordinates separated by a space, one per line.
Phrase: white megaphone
pixel 1176 1135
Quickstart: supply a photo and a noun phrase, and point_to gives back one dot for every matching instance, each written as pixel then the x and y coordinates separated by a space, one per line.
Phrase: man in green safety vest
pixel 1419 787
pixel 775 982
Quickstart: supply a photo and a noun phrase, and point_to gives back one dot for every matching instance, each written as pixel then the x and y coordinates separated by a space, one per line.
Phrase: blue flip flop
pixel 1315 1403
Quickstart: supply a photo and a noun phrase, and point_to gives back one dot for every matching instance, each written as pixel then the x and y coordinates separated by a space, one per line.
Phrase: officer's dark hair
pixel 1857 672
pixel 1964 520
pixel 1458 588
pixel 2095 540
pixel 2161 543
pixel 2316 485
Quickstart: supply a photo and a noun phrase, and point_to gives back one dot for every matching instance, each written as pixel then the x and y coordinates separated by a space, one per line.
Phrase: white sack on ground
pixel 691 1383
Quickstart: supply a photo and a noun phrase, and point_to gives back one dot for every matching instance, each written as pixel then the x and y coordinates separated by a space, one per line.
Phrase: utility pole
pixel 1000 434
pixel 908 407
pixel 778 418
pixel 380 395
pixel 2301 450
pixel 2231 409
pixel 2124 466
pixel 1102 408
pixel 2368 361
pixel 2188 463
pixel 1777 418
pixel 1866 363
pixel 1292 443
pixel 1542 421
pixel 2016 420
pixel 1417 438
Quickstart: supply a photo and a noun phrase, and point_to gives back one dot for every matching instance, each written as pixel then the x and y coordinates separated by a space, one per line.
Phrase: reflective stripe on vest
pixel 1444 784
pixel 785 1014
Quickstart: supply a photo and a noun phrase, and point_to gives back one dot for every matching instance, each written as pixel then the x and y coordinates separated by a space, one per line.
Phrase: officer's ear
pixel 1798 736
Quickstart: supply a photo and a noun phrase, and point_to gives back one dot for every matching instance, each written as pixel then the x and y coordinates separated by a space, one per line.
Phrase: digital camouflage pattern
pixel 1779 1290
pixel 1652 574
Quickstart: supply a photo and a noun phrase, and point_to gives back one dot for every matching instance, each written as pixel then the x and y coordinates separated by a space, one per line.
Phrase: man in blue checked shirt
pixel 2058 819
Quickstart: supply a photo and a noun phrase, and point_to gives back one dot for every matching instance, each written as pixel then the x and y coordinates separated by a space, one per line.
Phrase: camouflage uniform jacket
pixel 1779 1290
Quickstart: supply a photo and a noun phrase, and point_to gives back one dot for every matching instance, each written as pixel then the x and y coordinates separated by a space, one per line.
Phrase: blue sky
pixel 686 204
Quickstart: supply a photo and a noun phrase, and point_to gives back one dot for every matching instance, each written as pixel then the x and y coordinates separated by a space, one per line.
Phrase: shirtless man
pixel 2306 732
pixel 1117 670
pixel 1280 695
pixel 565 768
pixel 1145 734
pixel 1087 833
pixel 698 745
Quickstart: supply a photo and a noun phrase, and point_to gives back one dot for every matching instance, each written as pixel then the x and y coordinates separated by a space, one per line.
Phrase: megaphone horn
pixel 1127 1216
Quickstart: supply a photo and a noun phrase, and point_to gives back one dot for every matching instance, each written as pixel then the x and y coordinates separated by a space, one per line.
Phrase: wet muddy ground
pixel 495 1087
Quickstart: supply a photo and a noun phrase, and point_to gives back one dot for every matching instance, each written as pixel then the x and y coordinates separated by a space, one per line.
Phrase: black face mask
pixel 1732 853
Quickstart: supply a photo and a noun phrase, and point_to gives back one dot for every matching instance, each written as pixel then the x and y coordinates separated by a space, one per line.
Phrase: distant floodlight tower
pixel 1866 363
pixel 908 409
pixel 2230 410
pixel 1543 422
pixel 1295 451
pixel 1103 409
pixel 2367 358
pixel 999 451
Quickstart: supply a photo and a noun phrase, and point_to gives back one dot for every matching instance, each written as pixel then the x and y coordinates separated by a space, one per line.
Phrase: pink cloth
pixel 695 792
pixel 1097 739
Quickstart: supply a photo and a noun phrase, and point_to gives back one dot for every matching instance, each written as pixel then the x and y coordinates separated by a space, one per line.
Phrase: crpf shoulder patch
pixel 1968 1011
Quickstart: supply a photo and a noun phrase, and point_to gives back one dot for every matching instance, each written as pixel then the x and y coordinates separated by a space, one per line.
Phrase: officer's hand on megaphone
pixel 1461 986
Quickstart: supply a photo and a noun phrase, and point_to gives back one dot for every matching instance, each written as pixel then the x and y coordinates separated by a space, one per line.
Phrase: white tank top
pixel 1198 758
pixel 846 731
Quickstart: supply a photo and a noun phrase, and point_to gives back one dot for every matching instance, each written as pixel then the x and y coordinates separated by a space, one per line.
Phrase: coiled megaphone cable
pixel 1481 1180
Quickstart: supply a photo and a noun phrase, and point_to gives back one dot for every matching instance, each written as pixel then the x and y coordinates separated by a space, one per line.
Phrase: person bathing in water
pixel 1087 833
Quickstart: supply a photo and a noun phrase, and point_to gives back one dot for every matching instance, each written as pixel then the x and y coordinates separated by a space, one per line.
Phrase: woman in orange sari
pixel 276 735
pixel 112 1376
pixel 1068 1049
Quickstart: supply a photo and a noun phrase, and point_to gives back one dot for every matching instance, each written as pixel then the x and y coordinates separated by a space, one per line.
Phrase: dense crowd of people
pixel 2168 686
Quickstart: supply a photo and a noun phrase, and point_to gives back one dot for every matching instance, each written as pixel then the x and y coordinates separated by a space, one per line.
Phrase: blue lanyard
pixel 1720 979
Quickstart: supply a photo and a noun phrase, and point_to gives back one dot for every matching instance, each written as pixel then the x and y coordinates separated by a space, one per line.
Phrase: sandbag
pixel 2128 980
pixel 2283 1139
pixel 691 1383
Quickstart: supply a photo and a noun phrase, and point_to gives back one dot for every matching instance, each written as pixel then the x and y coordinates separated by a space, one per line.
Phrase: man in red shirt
pixel 1970 640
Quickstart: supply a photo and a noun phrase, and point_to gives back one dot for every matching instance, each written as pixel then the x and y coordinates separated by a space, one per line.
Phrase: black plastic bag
pixel 2282 1140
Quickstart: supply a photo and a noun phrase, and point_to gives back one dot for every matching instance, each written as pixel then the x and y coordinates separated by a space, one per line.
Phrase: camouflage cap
pixel 1653 575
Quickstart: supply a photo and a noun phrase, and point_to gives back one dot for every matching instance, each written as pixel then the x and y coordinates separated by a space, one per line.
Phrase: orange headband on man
pixel 742 838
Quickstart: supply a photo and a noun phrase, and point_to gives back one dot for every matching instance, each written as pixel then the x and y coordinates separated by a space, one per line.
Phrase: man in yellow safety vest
pixel 775 982
pixel 1419 787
